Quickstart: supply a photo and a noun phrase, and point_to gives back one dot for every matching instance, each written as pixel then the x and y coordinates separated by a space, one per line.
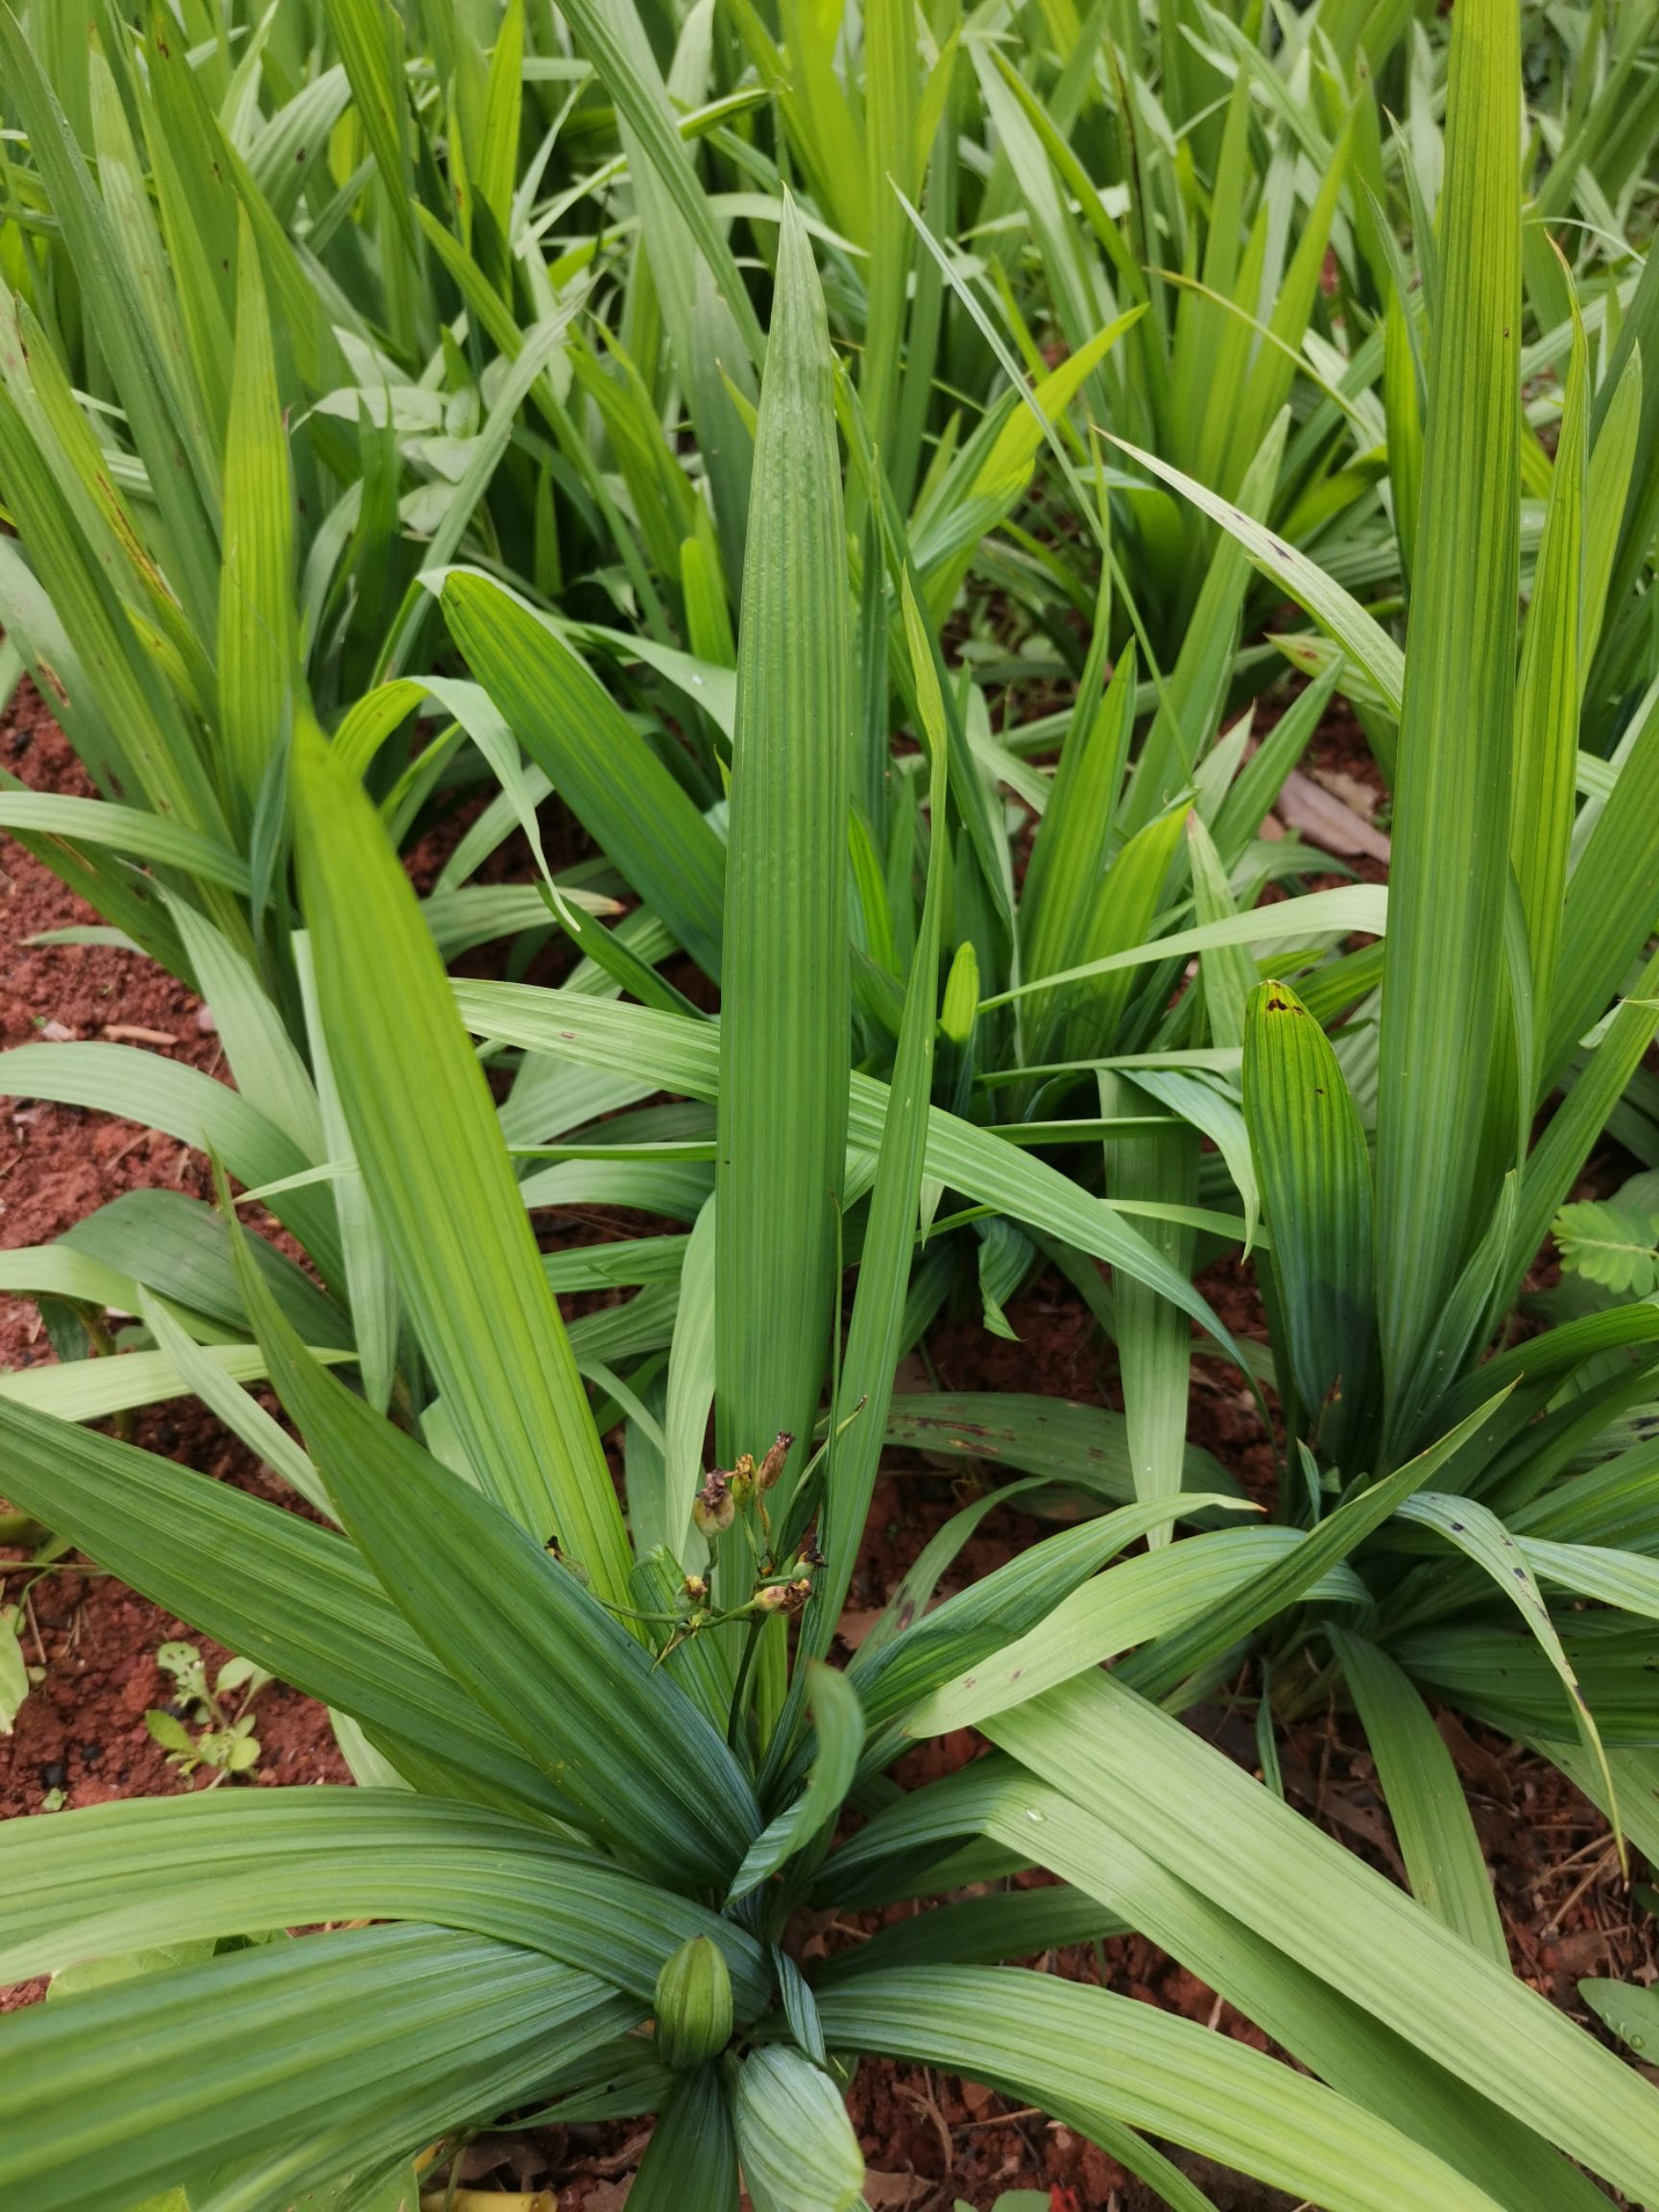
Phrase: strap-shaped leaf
pixel 631 80
pixel 571 1687
pixel 1357 906
pixel 91 1389
pixel 785 1039
pixel 683 1056
pixel 1011 1609
pixel 367 1264
pixel 1630 2010
pixel 178 468
pixel 300 1601
pixel 1626 1579
pixel 1364 641
pixel 1085 1445
pixel 839 1721
pixel 1548 692
pixel 398 2033
pixel 128 1876
pixel 169 1095
pixel 1423 1795
pixel 430 1151
pixel 1362 1512
pixel 598 762
pixel 979 1931
pixel 874 1334
pixel 256 628
pixel 1476 1530
pixel 1611 908
pixel 1330 2035
pixel 1084 2052
pixel 1196 1598
pixel 370 36
pixel 1506 1678
pixel 223 1396
pixel 124 830
pixel 180 1247
pixel 1149 1596
pixel 1154 1338
pixel 690 2163
pixel 1450 873
pixel 263 1058
pixel 1122 1759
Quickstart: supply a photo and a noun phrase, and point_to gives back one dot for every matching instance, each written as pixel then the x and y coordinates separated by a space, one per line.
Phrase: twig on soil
pixel 928 2103
pixel 616 2161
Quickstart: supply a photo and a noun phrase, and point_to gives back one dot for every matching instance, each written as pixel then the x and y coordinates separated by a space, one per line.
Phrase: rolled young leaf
pixel 799 2151
pixel 1315 1178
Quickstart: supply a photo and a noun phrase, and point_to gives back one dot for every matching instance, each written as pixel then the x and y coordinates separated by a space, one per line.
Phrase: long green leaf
pixel 873 1337
pixel 301 1603
pixel 1476 1530
pixel 573 1688
pixel 1330 2034
pixel 631 80
pixel 441 1186
pixel 1547 696
pixel 124 830
pixel 1363 640
pixel 1173 1595
pixel 170 1094
pixel 785 1030
pixel 175 465
pixel 1082 1445
pixel 126 1877
pixel 1452 795
pixel 1083 2051
pixel 597 761
pixel 172 2072
pixel 684 1056
pixel 1122 1759
pixel 1610 909
pixel 255 628
pixel 690 2163
pixel 1423 1795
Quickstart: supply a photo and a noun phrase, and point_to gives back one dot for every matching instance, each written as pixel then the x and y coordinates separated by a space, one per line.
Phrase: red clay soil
pixel 929 2138
pixel 81 1735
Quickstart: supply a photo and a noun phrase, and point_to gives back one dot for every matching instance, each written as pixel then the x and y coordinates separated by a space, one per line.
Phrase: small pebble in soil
pixel 53 1774
pixel 91 1753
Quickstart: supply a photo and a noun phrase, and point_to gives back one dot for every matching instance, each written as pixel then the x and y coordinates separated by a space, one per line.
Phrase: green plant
pixel 1402 1192
pixel 607 1759
pixel 604 1760
pixel 227 1743
pixel 1614 1242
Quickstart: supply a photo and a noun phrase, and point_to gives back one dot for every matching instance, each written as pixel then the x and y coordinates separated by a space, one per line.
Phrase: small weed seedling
pixel 227 1743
